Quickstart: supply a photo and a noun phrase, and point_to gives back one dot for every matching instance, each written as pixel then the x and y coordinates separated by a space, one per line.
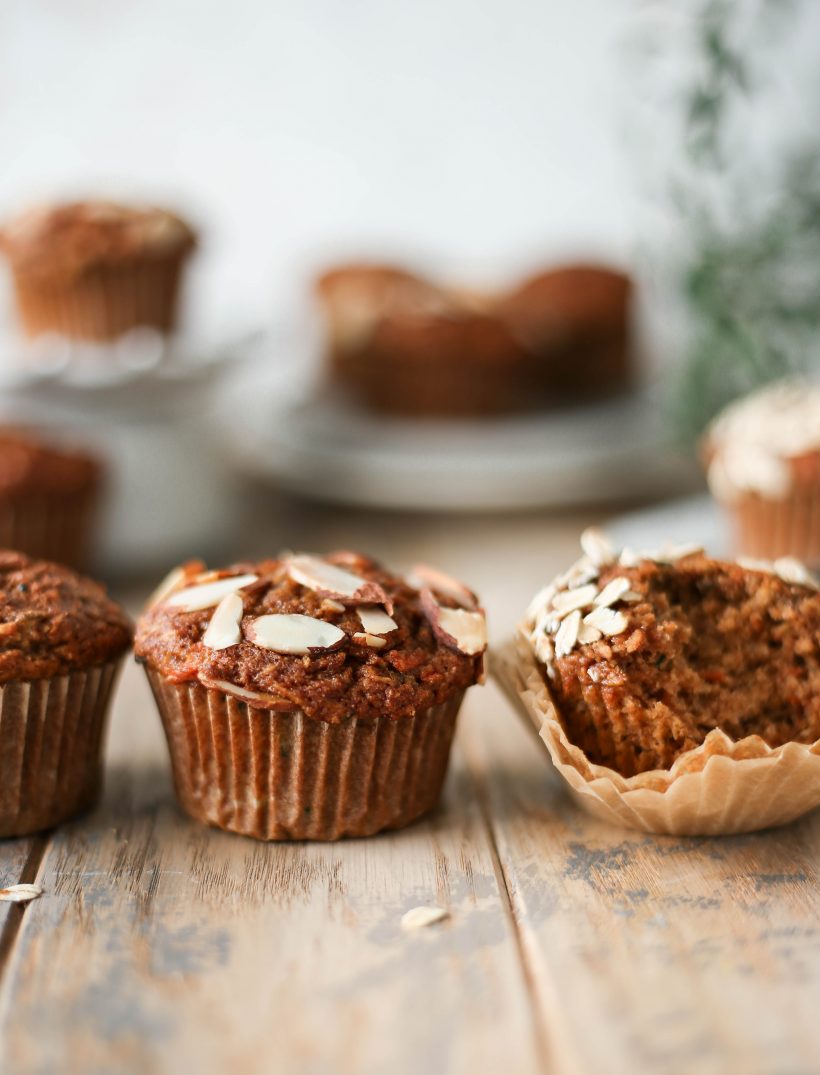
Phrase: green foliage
pixel 751 278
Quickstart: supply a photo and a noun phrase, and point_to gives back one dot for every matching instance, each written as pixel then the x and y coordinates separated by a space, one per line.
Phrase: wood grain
pixel 571 948
pixel 655 954
pixel 164 946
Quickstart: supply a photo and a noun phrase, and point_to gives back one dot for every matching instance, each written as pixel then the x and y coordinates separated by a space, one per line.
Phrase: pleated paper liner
pixel 51 743
pixel 103 304
pixel 767 529
pixel 722 787
pixel 280 775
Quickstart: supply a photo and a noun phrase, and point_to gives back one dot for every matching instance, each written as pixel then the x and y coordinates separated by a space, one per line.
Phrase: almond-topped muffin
pixel 48 497
pixel 61 644
pixel 93 270
pixel 644 655
pixel 308 697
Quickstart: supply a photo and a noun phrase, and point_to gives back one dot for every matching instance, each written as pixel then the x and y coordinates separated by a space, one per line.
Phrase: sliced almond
pixel 425 577
pixel 456 627
pixel 569 600
pixel 172 581
pixel 293 633
pixel 375 621
pixel 670 554
pixel 363 638
pixel 753 563
pixel 208 594
pixel 612 592
pixel 607 620
pixel 332 581
pixel 629 557
pixel 253 698
pixel 791 569
pixel 20 893
pixel 567 634
pixel 333 606
pixel 587 633
pixel 223 630
pixel 597 546
pixel 419 917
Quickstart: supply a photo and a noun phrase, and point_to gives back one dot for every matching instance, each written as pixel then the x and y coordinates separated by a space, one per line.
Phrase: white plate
pixel 694 519
pixel 325 449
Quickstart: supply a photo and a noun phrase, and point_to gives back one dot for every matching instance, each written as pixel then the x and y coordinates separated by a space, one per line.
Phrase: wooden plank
pixel 163 946
pixel 654 954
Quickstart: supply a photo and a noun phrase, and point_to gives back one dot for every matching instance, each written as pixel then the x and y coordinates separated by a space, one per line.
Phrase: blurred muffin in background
pixel 93 270
pixel 577 320
pixel 356 296
pixel 48 497
pixel 763 464
pixel 402 345
pixel 456 362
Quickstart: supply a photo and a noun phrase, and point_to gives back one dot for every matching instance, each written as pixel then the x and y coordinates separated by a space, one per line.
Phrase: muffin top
pixel 766 442
pixel 357 296
pixel 678 644
pixel 575 298
pixel 68 240
pixel 31 467
pixel 336 636
pixel 54 621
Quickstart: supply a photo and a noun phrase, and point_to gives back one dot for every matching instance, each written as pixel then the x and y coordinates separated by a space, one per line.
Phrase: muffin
pixel 354 298
pixel 763 465
pixel 307 697
pixel 61 646
pixel 455 363
pixel 644 656
pixel 577 320
pixel 48 497
pixel 93 270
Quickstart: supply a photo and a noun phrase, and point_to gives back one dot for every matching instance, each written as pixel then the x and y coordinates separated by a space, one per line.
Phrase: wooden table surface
pixel 570 947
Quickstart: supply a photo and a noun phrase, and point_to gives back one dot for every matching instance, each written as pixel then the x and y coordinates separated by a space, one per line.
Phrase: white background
pixel 474 136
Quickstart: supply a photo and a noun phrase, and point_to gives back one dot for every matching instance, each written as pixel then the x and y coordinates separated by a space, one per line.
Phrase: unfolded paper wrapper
pixel 722 787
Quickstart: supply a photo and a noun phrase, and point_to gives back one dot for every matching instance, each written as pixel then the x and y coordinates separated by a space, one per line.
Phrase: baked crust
pixel 411 672
pixel 62 242
pixel 54 621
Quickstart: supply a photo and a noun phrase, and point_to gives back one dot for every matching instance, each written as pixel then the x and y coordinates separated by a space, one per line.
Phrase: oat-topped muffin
pixel 763 458
pixel 309 697
pixel 645 654
pixel 93 270
pixel 48 495
pixel 61 644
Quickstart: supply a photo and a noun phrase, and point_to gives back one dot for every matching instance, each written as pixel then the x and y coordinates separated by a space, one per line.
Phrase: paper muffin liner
pixel 103 304
pixel 51 740
pixel 58 528
pixel 721 787
pixel 768 529
pixel 280 775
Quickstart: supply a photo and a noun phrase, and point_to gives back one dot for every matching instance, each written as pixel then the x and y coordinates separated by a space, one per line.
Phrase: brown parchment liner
pixel 51 744
pixel 721 787
pixel 277 774
pixel 103 303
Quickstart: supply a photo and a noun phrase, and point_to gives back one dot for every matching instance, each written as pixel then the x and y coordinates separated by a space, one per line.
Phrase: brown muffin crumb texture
pixel 53 621
pixel 398 674
pixel 707 645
